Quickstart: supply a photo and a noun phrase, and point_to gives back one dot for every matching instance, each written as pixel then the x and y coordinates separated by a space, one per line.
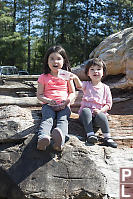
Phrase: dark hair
pixel 93 62
pixel 62 52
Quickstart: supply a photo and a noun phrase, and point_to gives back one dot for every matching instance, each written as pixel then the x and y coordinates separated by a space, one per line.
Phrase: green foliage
pixel 12 44
pixel 29 27
pixel 12 50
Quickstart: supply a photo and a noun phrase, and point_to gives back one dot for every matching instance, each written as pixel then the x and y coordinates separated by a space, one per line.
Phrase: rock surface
pixel 117 52
pixel 80 171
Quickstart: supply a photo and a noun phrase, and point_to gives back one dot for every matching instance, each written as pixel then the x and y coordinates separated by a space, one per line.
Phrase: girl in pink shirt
pixel 96 101
pixel 56 95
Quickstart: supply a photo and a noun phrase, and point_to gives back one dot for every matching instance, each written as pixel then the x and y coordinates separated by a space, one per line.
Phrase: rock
pixel 54 177
pixel 116 51
pixel 16 123
pixel 20 101
pixel 8 189
pixel 79 71
pixel 80 171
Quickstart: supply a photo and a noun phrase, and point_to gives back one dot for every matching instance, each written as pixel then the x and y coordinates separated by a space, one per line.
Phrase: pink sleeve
pixel 84 85
pixel 108 97
pixel 41 79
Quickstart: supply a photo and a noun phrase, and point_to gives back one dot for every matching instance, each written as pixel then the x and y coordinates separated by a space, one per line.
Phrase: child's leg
pixel 48 116
pixel 59 133
pixel 86 119
pixel 101 121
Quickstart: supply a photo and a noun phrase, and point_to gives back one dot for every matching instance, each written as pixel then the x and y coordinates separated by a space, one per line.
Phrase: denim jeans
pixel 48 118
pixel 92 124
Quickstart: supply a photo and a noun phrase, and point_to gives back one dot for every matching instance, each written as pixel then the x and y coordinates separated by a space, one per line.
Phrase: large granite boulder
pixel 117 52
pixel 80 171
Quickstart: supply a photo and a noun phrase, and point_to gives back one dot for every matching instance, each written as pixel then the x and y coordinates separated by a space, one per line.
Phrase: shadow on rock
pixel 8 189
pixel 30 160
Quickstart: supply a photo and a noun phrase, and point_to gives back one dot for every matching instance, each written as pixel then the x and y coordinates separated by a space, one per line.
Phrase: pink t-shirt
pixel 54 87
pixel 95 96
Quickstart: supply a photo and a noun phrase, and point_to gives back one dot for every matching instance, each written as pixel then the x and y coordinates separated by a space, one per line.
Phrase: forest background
pixel 29 27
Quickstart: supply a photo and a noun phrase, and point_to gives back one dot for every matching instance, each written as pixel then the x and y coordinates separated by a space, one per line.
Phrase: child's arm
pixel 77 81
pixel 41 97
pixel 108 104
pixel 71 91
pixel 104 109
pixel 71 96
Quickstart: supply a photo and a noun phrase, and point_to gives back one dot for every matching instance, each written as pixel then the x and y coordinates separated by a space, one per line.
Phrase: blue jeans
pixel 92 124
pixel 48 118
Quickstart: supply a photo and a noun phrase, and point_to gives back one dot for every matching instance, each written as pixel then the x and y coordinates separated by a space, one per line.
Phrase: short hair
pixel 93 62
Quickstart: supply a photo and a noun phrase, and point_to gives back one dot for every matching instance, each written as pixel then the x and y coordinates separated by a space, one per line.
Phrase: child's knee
pixel 86 111
pixel 102 116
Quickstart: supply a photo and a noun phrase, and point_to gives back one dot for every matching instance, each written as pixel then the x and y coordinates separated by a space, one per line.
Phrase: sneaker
pixel 110 142
pixel 92 139
pixel 43 143
pixel 57 139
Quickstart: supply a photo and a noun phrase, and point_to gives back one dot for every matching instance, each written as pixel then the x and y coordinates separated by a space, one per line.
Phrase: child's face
pixel 55 62
pixel 95 73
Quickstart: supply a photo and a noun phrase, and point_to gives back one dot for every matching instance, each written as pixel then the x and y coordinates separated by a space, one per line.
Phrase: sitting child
pixel 96 101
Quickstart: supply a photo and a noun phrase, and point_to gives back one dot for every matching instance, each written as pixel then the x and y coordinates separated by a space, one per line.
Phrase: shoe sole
pixel 42 144
pixel 92 140
pixel 57 139
pixel 110 145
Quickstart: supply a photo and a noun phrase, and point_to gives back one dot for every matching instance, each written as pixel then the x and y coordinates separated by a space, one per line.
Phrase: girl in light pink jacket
pixel 96 101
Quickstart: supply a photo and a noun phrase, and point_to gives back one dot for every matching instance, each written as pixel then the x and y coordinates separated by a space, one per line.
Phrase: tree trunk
pixel 29 50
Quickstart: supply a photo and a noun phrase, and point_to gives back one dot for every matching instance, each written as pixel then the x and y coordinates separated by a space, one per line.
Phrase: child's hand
pixel 55 107
pixel 96 111
pixel 61 106
pixel 77 81
pixel 52 102
pixel 58 107
pixel 73 76
pixel 64 103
